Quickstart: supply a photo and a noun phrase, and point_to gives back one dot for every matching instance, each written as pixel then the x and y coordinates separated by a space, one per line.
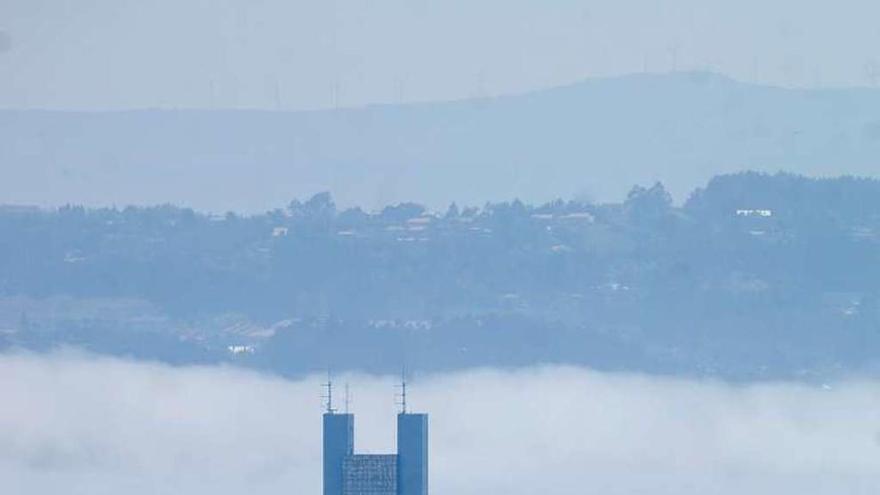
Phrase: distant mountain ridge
pixel 590 140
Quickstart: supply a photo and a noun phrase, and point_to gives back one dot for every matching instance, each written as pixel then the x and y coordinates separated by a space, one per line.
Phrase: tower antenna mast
pixel 403 392
pixel 347 399
pixel 329 396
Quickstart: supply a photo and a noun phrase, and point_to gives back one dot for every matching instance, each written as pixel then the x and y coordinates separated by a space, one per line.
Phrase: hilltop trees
pixel 781 255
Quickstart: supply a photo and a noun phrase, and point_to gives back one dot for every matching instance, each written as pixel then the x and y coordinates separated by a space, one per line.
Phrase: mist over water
pixel 80 424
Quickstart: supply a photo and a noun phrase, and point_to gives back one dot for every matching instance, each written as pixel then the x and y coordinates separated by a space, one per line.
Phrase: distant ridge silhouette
pixel 592 139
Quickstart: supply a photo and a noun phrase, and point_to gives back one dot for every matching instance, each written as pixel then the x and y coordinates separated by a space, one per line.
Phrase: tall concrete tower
pixel 338 445
pixel 412 454
pixel 347 473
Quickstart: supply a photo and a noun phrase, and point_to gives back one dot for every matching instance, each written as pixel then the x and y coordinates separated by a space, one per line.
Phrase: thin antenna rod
pixel 329 396
pixel 403 392
pixel 277 94
pixel 347 399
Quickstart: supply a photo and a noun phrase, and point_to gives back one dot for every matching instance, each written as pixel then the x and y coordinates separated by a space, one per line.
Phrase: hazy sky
pixel 79 425
pixel 98 54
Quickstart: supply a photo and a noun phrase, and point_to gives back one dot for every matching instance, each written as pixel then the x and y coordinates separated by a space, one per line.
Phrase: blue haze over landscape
pixel 616 247
pixel 573 142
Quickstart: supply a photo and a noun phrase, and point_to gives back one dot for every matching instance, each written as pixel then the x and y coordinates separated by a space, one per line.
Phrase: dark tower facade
pixel 347 473
pixel 412 454
pixel 338 445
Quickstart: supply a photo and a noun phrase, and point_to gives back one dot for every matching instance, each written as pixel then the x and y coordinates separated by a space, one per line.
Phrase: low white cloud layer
pixel 84 425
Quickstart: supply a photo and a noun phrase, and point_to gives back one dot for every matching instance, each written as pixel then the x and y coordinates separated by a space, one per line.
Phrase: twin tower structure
pixel 347 473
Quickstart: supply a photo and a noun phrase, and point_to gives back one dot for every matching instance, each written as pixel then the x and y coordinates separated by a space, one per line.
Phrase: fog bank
pixel 85 425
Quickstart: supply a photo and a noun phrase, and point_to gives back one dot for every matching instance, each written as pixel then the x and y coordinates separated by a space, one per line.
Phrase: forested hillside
pixel 752 269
